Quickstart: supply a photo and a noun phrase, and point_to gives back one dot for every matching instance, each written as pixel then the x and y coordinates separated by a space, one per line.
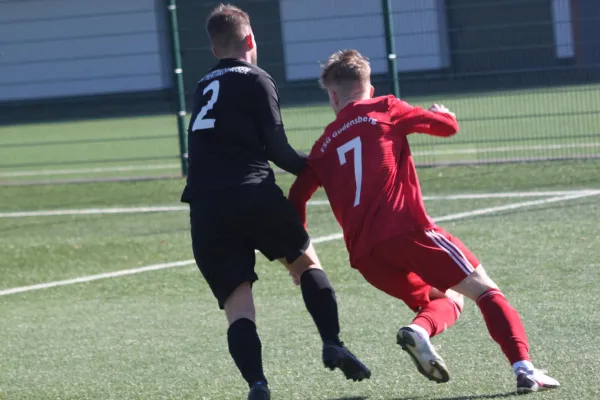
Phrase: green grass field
pixel 526 124
pixel 159 334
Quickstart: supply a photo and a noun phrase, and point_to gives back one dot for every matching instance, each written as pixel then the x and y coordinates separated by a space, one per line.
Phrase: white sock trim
pixel 523 365
pixel 420 330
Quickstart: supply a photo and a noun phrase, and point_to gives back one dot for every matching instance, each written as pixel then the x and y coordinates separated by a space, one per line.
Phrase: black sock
pixel 320 301
pixel 246 350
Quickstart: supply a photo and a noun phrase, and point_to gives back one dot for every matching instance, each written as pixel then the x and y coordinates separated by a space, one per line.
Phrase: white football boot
pixel 423 354
pixel 533 380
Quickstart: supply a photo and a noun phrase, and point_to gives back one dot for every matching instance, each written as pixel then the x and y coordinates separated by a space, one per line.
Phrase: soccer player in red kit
pixel 364 163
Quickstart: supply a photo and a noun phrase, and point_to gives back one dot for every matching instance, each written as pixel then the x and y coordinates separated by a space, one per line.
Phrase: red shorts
pixel 408 266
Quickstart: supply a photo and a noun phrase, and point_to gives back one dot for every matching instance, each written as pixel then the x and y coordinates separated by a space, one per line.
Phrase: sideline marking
pixel 322 239
pixel 476 150
pixel 123 168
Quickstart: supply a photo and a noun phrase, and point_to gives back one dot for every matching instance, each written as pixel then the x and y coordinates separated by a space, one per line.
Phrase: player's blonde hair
pixel 345 70
pixel 227 26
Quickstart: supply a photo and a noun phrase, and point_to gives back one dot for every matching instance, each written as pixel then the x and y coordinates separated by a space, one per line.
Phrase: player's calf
pixel 320 300
pixel 505 327
pixel 318 294
pixel 502 320
pixel 242 338
pixel 438 315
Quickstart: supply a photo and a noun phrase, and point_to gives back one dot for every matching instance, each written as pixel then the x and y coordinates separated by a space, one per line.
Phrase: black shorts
pixel 229 225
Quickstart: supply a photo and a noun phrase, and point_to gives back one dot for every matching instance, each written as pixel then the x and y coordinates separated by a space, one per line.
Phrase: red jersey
pixel 364 163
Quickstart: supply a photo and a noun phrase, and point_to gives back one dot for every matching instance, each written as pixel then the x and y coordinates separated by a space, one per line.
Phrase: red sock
pixel 504 324
pixel 438 315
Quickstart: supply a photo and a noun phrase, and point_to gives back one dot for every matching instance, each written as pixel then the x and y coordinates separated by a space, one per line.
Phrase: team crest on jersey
pixel 355 121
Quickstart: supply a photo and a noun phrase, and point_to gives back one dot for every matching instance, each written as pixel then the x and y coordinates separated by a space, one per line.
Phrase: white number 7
pixel 200 122
pixel 355 145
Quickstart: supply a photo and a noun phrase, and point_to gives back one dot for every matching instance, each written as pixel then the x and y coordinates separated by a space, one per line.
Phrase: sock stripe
pixel 504 325
pixel 490 292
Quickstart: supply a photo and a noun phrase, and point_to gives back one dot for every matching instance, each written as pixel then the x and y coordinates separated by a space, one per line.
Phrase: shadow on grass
pixel 350 398
pixel 467 397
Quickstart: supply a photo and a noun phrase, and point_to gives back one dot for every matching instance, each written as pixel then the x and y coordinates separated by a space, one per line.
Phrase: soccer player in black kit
pixel 236 207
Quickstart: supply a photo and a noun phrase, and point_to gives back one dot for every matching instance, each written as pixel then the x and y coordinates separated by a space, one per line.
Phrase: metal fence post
pixel 390 46
pixel 178 71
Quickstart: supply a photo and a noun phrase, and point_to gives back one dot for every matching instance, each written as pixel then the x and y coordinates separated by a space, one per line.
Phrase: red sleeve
pixel 304 187
pixel 418 120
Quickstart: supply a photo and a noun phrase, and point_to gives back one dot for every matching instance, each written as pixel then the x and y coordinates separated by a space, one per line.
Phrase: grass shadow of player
pixel 468 397
pixel 350 398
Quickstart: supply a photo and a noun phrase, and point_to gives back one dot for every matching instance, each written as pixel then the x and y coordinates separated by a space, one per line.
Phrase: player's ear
pixel 215 52
pixel 335 100
pixel 249 41
pixel 372 91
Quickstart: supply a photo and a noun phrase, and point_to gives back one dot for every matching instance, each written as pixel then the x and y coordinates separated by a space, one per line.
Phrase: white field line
pixel 92 211
pixel 505 195
pixel 123 168
pixel 514 206
pixel 475 150
pixel 322 239
pixel 152 209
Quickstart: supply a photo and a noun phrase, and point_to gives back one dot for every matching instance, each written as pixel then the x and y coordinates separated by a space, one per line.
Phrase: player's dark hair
pixel 227 26
pixel 345 67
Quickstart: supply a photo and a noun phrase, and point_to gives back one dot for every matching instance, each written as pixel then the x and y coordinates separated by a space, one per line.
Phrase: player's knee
pixel 240 304
pixel 308 260
pixel 474 285
pixel 457 298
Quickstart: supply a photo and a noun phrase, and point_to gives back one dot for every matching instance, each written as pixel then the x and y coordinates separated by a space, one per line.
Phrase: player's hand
pixel 440 108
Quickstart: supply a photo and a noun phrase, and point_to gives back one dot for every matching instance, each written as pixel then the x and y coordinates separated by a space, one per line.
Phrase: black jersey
pixel 235 130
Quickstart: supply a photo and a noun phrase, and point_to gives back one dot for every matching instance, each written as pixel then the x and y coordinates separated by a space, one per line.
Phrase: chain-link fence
pixel 85 90
pixel 522 76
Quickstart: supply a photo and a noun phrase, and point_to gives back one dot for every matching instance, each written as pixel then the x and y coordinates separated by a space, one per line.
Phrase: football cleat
pixel 532 381
pixel 259 391
pixel 421 351
pixel 338 356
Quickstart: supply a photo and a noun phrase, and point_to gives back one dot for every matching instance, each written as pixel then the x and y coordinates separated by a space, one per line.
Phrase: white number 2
pixel 355 145
pixel 200 122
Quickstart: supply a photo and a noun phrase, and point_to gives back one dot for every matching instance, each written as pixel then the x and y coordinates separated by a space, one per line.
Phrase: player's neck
pixel 353 98
pixel 246 57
